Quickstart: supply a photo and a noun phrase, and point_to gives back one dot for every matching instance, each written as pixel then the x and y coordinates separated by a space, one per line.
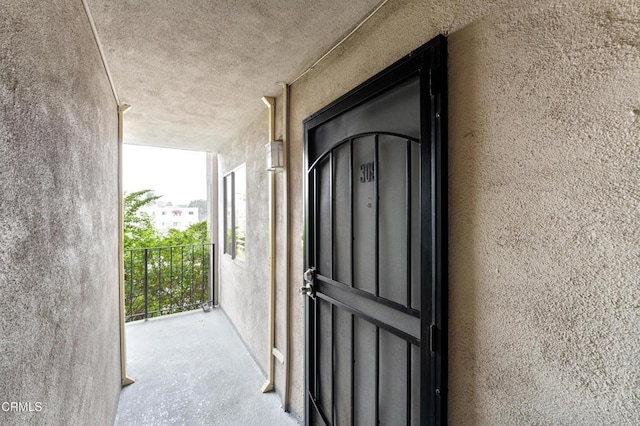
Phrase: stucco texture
pixel 244 285
pixel 194 71
pixel 59 335
pixel 544 207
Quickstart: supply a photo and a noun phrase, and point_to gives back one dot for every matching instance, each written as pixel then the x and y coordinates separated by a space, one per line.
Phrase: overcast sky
pixel 179 176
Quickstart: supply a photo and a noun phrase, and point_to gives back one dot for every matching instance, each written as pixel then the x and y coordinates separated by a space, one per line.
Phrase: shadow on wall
pixel 466 112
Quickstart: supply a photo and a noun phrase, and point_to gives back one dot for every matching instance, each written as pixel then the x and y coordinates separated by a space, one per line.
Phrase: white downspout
pixel 269 384
pixel 125 380
pixel 287 314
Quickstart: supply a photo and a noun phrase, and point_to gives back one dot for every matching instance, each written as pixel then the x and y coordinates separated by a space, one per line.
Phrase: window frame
pixel 229 204
pixel 228 188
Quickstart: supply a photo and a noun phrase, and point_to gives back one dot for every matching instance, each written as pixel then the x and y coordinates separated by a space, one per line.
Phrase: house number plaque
pixel 367 172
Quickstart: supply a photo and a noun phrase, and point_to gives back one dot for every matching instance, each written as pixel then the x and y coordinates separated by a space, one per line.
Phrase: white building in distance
pixel 167 217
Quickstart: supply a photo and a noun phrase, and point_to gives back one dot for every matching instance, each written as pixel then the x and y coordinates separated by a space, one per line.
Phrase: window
pixel 164 213
pixel 228 214
pixel 191 213
pixel 235 213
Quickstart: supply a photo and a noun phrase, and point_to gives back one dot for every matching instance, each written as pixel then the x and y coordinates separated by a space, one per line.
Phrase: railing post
pixel 159 283
pixel 212 274
pixel 193 261
pixel 203 271
pixel 146 283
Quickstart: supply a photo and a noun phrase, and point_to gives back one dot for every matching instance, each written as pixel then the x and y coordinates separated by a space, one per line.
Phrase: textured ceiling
pixel 194 70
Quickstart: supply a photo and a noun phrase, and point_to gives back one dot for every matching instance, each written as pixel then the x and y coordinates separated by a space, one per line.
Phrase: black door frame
pixel 430 63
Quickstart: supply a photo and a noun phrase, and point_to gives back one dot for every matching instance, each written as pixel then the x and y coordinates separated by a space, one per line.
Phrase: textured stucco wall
pixel 59 333
pixel 545 216
pixel 244 286
pixel 544 203
pixel 213 60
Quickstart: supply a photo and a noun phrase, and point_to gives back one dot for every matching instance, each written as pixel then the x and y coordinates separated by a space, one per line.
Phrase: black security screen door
pixel 376 249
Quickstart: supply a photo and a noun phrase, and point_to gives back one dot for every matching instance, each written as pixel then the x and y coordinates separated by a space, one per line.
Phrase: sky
pixel 179 176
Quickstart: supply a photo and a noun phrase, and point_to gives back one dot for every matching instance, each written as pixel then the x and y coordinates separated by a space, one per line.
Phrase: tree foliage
pixel 172 268
pixel 194 234
pixel 139 231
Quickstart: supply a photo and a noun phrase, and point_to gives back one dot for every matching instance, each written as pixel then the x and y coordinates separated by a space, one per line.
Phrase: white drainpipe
pixel 287 281
pixel 269 384
pixel 125 380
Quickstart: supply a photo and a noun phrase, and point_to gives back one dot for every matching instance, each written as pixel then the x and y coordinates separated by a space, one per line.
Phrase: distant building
pixel 167 217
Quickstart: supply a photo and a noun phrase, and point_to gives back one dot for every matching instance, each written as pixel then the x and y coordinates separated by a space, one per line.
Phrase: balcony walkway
pixel 192 369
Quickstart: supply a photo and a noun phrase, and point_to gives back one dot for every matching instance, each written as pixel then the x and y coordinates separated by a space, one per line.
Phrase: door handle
pixel 308 288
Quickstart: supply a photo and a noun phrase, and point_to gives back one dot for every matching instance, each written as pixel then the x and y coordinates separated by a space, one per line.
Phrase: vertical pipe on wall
pixel 125 380
pixel 287 316
pixel 269 384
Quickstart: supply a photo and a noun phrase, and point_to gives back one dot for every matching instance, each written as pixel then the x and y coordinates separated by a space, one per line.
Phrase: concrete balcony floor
pixel 192 369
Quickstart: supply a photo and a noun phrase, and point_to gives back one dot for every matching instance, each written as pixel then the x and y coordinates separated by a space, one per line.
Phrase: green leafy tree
pixel 139 231
pixel 172 267
pixel 194 234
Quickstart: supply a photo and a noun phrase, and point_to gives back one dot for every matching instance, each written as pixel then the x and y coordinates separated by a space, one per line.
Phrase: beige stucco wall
pixel 59 328
pixel 244 286
pixel 544 207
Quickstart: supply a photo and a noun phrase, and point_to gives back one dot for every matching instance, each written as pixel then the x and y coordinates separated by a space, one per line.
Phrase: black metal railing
pixel 167 280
